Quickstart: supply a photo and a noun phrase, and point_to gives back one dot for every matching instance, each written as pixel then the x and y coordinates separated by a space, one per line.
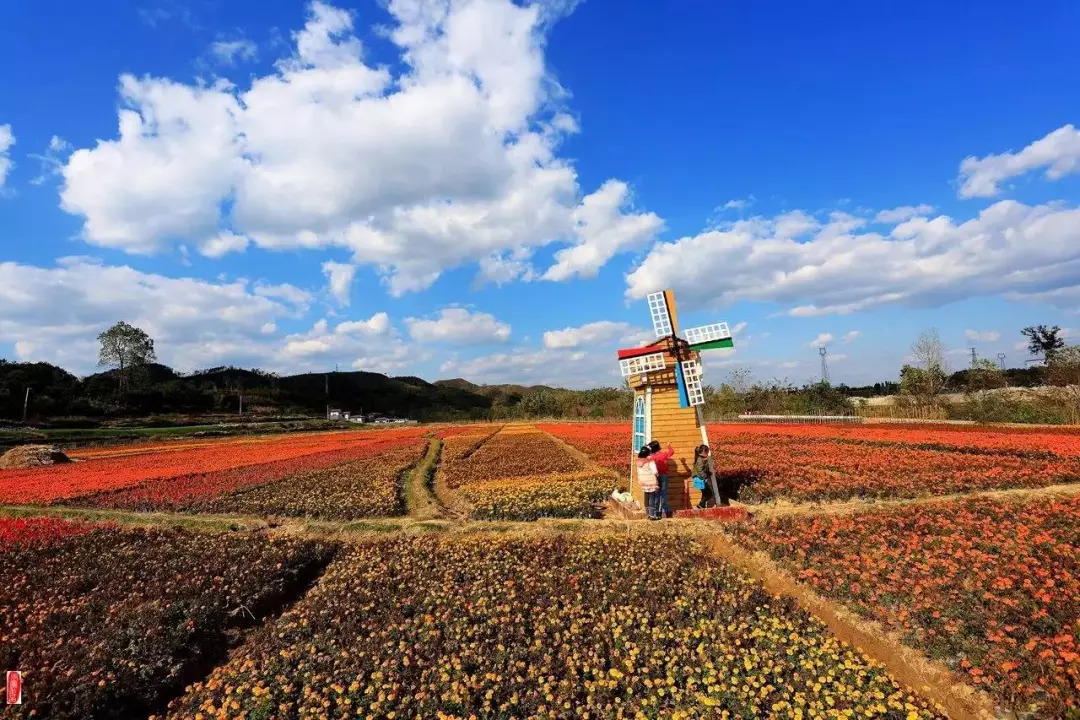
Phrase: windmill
pixel 666 378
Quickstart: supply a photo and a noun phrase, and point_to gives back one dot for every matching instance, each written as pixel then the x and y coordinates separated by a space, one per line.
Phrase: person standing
pixel 649 481
pixel 703 469
pixel 662 459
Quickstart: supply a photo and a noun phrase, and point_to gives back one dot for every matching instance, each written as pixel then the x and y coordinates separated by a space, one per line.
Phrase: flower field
pixel 491 626
pixel 365 488
pixel 520 473
pixel 813 463
pixel 607 444
pixel 38 531
pixel 162 472
pixel 991 588
pixel 105 623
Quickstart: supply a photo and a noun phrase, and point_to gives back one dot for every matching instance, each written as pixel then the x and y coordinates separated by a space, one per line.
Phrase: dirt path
pixel 908 666
pixel 420 500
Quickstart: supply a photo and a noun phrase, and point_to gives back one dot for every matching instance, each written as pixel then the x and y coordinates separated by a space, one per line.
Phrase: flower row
pixel 62 482
pixel 990 587
pixel 112 623
pixel 491 626
pixel 365 488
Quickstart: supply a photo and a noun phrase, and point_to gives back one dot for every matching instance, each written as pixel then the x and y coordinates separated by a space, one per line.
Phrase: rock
pixel 28 456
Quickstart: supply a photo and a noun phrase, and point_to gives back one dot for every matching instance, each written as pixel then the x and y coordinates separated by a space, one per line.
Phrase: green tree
pixel 985 375
pixel 925 379
pixel 1043 341
pixel 1063 371
pixel 125 347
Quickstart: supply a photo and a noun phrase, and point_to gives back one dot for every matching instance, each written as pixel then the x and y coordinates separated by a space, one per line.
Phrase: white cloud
pixel 501 269
pixel 230 52
pixel 1011 249
pixel 590 334
pixel 222 244
pixel 603 229
pixel 449 159
pixel 339 278
pixel 52 160
pixel 1058 152
pixel 7 139
pixel 369 345
pixel 55 314
pixel 982 335
pixel 176 160
pixel 289 293
pixel 559 368
pixel 377 324
pixel 851 335
pixel 738 203
pixel 821 339
pixel 902 213
pixel 738 328
pixel 458 326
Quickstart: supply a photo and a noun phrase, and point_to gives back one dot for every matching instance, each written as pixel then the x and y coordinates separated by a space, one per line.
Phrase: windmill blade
pixel 691 372
pixel 707 333
pixel 661 318
pixel 642 364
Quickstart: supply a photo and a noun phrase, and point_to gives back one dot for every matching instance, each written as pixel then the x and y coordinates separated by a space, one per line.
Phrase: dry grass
pixel 31 456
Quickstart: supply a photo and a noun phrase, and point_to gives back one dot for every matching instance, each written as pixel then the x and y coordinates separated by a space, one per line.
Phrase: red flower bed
pixel 59 482
pixel 39 531
pixel 607 444
pixel 991 588
pixel 198 491
pixel 805 468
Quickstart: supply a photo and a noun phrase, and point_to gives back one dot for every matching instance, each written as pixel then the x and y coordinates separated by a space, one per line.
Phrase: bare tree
pixel 927 377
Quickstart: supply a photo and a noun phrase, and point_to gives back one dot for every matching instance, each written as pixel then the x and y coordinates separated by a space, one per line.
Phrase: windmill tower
pixel 824 353
pixel 665 376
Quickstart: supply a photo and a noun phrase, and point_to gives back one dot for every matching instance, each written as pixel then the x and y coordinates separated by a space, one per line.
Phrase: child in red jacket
pixel 661 459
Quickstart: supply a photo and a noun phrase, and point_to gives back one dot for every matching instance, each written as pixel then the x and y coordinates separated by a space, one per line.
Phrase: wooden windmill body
pixel 665 376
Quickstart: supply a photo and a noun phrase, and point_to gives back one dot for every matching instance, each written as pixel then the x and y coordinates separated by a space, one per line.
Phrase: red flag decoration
pixel 14 687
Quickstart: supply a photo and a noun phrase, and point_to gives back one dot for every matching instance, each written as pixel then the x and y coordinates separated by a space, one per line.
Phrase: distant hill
pixel 159 390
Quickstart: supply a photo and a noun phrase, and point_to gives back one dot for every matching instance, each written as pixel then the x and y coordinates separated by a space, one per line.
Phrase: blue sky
pixel 488 189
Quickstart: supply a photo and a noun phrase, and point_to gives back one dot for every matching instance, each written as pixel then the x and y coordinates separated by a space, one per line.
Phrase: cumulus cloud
pixel 222 244
pixel 603 229
pixel 590 334
pixel 449 158
pixel 821 339
pixel 1011 249
pixel 377 324
pixel 1058 152
pixel 55 313
pixel 902 214
pixel 371 345
pixel 544 366
pixel 982 335
pixel 851 335
pixel 7 139
pixel 458 326
pixel 231 52
pixel 339 277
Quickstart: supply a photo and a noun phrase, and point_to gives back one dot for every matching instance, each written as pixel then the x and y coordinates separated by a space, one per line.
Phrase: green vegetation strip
pixel 419 495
